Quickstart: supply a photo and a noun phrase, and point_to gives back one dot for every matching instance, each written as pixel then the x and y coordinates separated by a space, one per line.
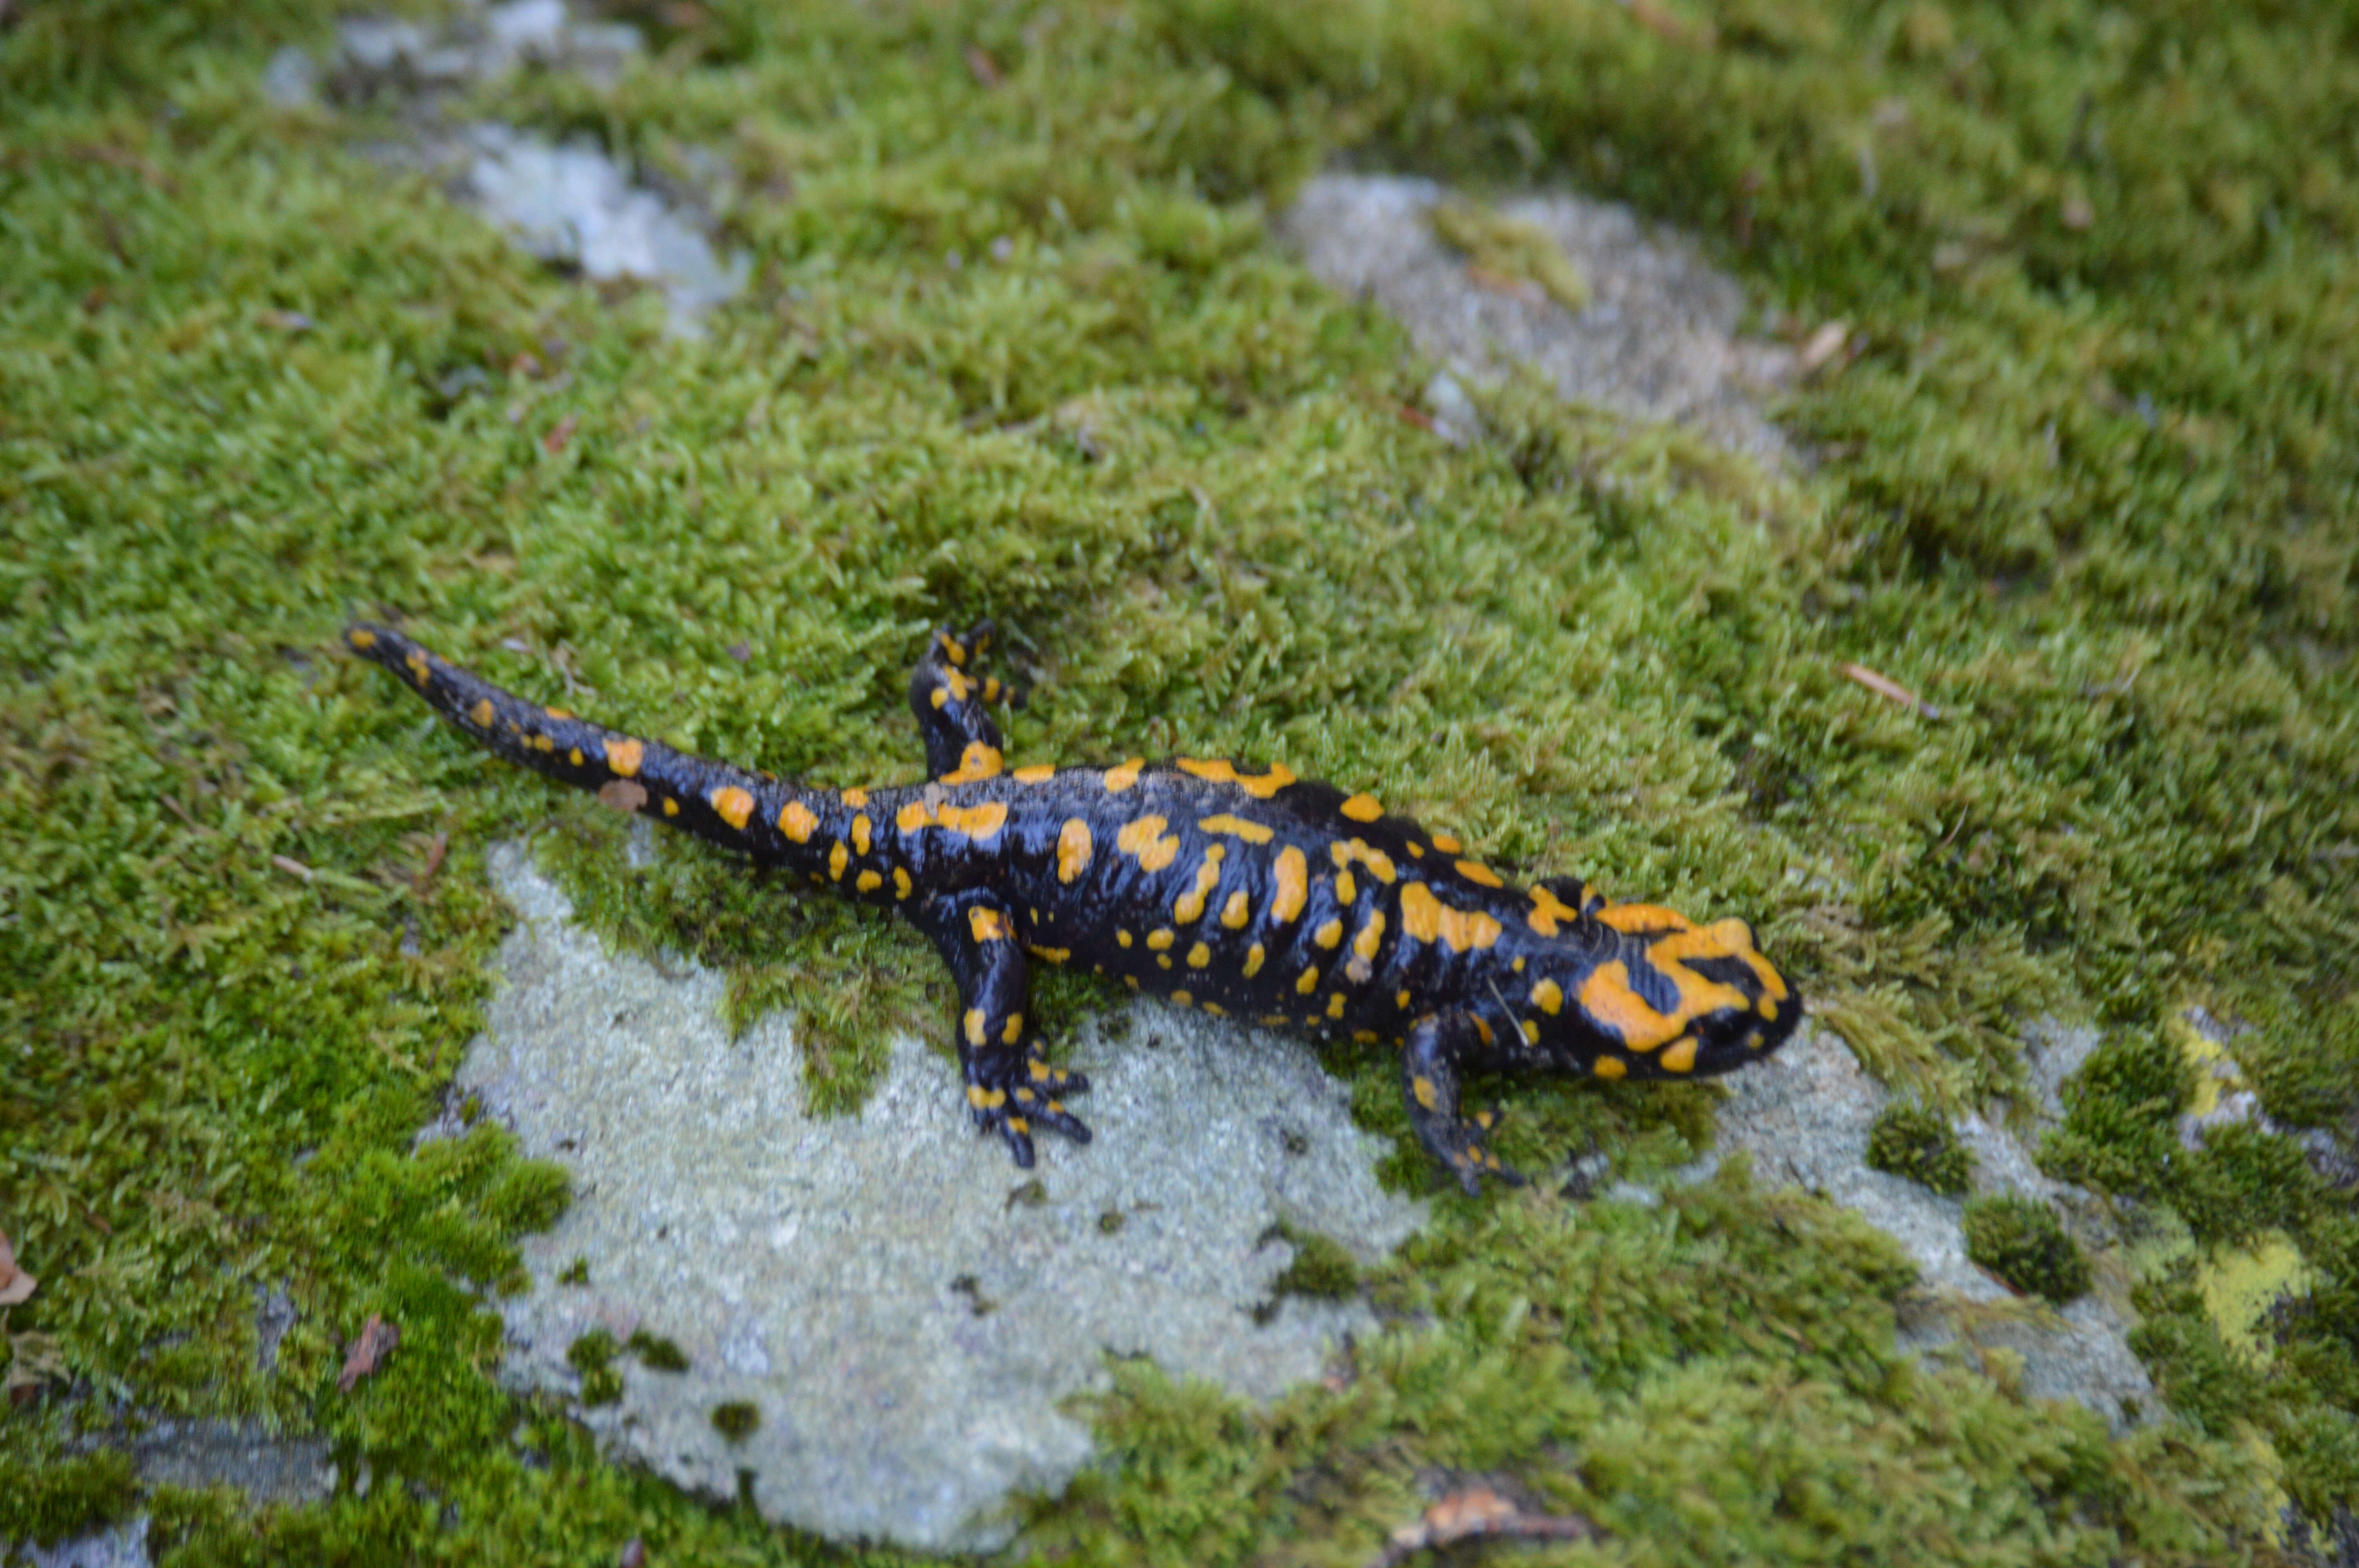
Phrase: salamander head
pixel 1636 991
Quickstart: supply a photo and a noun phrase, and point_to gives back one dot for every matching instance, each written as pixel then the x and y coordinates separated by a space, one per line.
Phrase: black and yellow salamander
pixel 1244 891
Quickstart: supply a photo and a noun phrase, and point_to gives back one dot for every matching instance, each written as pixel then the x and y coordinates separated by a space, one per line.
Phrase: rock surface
pixel 1804 1115
pixel 906 1311
pixel 1659 339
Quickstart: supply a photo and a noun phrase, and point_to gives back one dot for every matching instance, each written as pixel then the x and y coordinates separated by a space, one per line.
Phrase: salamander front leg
pixel 1429 1066
pixel 1010 1089
pixel 953 705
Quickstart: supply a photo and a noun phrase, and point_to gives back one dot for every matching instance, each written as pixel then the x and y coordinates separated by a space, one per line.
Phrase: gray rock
pixel 906 1310
pixel 291 80
pixel 1657 339
pixel 266 1466
pixel 1804 1115
pixel 122 1546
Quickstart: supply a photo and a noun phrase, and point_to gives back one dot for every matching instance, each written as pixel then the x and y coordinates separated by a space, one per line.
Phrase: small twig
pixel 292 867
pixel 1478 1513
pixel 1889 690
pixel 177 809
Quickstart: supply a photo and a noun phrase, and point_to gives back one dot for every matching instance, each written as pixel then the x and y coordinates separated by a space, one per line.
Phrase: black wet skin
pixel 1242 890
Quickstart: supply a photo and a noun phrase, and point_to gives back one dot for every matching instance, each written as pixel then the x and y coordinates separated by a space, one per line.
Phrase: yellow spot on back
pixel 861 829
pixel 1293 875
pixel 1610 1067
pixel 941 696
pixel 901 886
pixel 1050 955
pixel 1680 1057
pixel 1344 851
pixel 1199 956
pixel 1369 936
pixel 855 798
pixel 1237 826
pixel 798 821
pixel 1644 919
pixel 671 806
pixel 1447 843
pixel 837 859
pixel 1074 848
pixel 733 804
pixel 869 881
pixel 622 757
pixel 1476 871
pixel 1190 906
pixel 574 756
pixel 1237 911
pixel 1145 842
pixel 481 713
pixel 1346 890
pixel 1422 1087
pixel 1254 955
pixel 988 925
pixel 1429 919
pixel 1120 778
pixel 1121 936
pixel 1416 850
pixel 1309 982
pixel 1261 786
pixel 1335 1004
pixel 1400 999
pixel 1548 910
pixel 979 761
pixel 977 822
pixel 1329 933
pixel 1362 809
pixel 363 637
pixel 973 1023
pixel 418 668
pixel 558 712
pixel 1162 936
pixel 1039 772
pixel 1015 1030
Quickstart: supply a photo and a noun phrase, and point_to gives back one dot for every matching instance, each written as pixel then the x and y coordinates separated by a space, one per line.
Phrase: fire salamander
pixel 1244 891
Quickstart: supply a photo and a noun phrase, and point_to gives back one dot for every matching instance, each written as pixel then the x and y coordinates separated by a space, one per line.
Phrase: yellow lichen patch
pixel 1548 997
pixel 987 924
pixel 362 637
pixel 1362 809
pixel 1329 933
pixel 1237 911
pixel 1039 772
pixel 419 669
pixel 622 757
pixel 1190 906
pixel 861 829
pixel 731 804
pixel 1237 826
pixel 1644 919
pixel 973 1023
pixel 901 884
pixel 1309 982
pixel 869 881
pixel 837 859
pixel 1344 851
pixel 1254 955
pixel 1547 911
pixel 1447 843
pixel 1364 944
pixel 1293 876
pixel 481 713
pixel 1679 1057
pixel 1074 848
pixel 1199 956
pixel 1261 786
pixel 1145 842
pixel 1118 779
pixel 798 821
pixel 1159 938
pixel 1429 919
pixel 1477 872
pixel 1610 1067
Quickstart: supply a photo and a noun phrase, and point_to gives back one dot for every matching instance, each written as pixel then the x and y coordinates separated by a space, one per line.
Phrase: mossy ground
pixel 2087 486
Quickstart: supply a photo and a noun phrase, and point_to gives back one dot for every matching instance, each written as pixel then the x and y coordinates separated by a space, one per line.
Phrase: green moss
pixel 736 1421
pixel 592 1352
pixel 1916 1144
pixel 1322 1268
pixel 656 1353
pixel 48 1495
pixel 2023 1242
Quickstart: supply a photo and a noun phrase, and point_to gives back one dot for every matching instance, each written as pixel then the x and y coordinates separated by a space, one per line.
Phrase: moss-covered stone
pixel 656 1353
pixel 1915 1143
pixel 736 1421
pixel 2023 1242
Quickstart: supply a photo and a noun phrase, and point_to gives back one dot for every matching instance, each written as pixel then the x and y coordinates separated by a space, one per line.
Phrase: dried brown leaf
pixel 362 1357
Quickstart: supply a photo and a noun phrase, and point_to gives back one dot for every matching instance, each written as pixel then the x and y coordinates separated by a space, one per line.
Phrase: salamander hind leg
pixel 952 703
pixel 1010 1087
pixel 1429 1066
